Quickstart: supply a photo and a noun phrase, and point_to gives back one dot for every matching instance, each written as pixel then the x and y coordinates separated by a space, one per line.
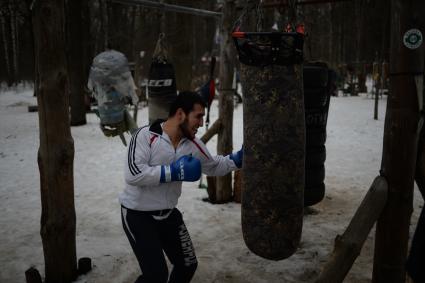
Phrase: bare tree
pixel 4 15
pixel 13 35
pixel 56 151
pixel 76 68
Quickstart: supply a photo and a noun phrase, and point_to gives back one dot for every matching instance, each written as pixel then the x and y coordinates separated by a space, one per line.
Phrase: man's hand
pixel 186 168
pixel 237 157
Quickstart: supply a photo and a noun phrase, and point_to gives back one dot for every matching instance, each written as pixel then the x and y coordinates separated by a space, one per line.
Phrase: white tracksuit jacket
pixel 150 148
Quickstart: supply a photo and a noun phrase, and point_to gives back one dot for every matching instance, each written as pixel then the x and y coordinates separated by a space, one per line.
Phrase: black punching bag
pixel 161 89
pixel 274 141
pixel 161 83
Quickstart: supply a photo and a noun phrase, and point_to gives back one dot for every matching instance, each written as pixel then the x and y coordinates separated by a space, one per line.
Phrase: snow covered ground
pixel 354 149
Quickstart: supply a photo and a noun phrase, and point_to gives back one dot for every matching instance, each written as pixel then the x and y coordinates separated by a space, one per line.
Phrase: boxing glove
pixel 186 168
pixel 237 157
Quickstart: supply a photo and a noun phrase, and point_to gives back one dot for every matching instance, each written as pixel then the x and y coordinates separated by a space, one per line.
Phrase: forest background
pixel 348 35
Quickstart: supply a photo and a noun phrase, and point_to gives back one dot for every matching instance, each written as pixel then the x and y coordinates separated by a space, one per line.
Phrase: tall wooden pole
pixel 400 141
pixel 225 111
pixel 56 151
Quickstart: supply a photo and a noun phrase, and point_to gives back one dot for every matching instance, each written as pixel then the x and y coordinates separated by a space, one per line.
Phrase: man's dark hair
pixel 186 100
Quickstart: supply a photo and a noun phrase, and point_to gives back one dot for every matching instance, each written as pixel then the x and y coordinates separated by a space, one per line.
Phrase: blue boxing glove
pixel 186 168
pixel 237 157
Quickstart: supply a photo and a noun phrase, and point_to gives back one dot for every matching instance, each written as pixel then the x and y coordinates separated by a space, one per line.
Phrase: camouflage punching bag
pixel 274 141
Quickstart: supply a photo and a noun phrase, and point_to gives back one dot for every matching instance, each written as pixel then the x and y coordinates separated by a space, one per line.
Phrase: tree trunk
pixel 225 111
pixel 104 25
pixel 348 246
pixel 75 61
pixel 180 34
pixel 13 33
pixel 359 23
pixel 400 144
pixel 56 151
pixel 6 49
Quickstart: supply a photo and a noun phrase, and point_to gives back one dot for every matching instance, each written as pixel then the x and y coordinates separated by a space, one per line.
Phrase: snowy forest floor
pixel 354 149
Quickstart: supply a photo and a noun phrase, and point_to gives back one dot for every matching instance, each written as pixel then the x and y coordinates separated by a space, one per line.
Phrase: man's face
pixel 193 121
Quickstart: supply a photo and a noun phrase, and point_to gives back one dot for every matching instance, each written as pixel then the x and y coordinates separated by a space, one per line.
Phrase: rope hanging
pixel 160 53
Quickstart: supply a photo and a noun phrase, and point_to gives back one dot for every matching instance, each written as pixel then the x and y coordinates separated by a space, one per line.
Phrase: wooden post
pixel 225 111
pixel 348 246
pixel 211 180
pixel 400 143
pixel 56 151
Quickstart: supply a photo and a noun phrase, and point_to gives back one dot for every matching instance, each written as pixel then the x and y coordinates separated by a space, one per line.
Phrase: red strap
pixel 238 34
pixel 200 148
pixel 152 139
pixel 212 92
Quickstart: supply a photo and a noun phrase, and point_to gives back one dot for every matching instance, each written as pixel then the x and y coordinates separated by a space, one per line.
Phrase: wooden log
pixel 348 246
pixel 212 131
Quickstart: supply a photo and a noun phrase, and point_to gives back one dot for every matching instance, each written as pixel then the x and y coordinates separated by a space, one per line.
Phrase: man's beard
pixel 185 129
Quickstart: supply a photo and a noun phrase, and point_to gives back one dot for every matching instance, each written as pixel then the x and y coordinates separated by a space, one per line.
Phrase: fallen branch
pixel 215 128
pixel 348 246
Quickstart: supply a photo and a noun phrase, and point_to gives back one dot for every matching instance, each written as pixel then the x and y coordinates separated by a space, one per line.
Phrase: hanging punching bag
pixel 161 83
pixel 274 141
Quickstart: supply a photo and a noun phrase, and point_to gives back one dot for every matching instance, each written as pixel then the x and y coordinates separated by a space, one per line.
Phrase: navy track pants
pixel 151 238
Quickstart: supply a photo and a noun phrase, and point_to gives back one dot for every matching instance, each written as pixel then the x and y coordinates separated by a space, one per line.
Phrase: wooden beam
pixel 348 246
pixel 215 128
pixel 170 8
pixel 284 3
